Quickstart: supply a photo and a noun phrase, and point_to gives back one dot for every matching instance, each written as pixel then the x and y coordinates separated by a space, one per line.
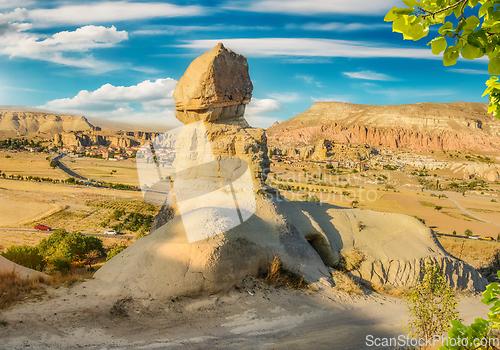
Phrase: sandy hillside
pixel 248 317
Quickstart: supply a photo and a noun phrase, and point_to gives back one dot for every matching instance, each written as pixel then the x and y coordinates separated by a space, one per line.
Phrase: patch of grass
pixel 469 217
pixel 488 211
pixel 278 276
pixel 14 288
pixel 453 216
pixel 345 283
pixel 427 204
pixel 350 262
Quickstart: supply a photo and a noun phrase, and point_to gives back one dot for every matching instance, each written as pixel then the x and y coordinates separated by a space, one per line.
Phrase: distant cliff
pixel 122 139
pixel 24 123
pixel 416 127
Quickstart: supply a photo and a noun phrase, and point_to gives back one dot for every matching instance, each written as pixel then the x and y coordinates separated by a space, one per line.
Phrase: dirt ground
pixel 251 316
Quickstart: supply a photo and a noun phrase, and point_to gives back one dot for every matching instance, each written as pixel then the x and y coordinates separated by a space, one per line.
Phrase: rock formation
pixel 176 259
pixel 24 123
pixel 103 138
pixel 7 266
pixel 216 86
pixel 415 127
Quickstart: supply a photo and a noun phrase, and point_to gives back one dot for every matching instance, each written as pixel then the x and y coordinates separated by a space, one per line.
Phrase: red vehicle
pixel 42 227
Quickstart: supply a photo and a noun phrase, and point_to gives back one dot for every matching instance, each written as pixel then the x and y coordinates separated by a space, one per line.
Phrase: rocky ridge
pixel 24 122
pixel 415 127
pixel 103 138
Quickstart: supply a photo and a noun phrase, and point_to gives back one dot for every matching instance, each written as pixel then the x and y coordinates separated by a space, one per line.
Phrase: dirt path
pixel 268 319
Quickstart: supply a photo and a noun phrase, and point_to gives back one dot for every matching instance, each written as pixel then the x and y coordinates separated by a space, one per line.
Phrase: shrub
pixel 13 288
pixel 419 219
pixel 62 265
pixel 115 251
pixel 26 256
pixel 279 276
pixel 431 303
pixel 482 331
pixel 117 214
pixel 468 232
pixel 61 245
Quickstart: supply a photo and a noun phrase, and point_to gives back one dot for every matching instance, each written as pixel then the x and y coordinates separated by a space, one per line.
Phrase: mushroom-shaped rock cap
pixel 218 78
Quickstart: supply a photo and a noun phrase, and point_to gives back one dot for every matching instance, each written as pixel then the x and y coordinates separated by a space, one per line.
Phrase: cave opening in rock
pixel 322 247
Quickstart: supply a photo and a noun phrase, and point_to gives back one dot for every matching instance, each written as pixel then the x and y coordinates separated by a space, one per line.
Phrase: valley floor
pixel 249 317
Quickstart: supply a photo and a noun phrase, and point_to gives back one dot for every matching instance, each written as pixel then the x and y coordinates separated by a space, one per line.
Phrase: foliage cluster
pixel 471 37
pixel 481 333
pixel 431 303
pixel 60 249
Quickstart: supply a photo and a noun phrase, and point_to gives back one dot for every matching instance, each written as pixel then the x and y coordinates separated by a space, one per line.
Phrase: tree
pixel 480 334
pixel 431 303
pixel 54 163
pixel 468 232
pixel 472 37
pixel 438 207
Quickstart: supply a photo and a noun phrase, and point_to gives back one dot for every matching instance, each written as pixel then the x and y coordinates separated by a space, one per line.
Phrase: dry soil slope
pixel 420 126
pixel 26 122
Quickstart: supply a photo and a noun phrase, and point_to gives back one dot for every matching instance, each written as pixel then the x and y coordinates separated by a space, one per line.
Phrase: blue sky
pixel 120 60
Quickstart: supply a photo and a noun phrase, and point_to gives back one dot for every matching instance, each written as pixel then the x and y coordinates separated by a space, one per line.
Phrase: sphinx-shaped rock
pixel 215 86
pixel 227 225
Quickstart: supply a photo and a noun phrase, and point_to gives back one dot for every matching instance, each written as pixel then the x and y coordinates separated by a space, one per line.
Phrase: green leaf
pixel 438 45
pixel 450 56
pixel 445 28
pixel 411 2
pixel 494 66
pixel 470 52
pixel 391 16
pixel 484 8
pixel 471 23
pixel 405 11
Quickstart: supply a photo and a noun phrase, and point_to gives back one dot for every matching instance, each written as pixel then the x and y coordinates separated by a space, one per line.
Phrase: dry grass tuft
pixel 278 276
pixel 14 288
pixel 390 291
pixel 345 283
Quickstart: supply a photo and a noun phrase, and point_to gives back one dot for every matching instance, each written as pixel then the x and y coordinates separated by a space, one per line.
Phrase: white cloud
pixel 311 7
pixel 10 4
pixel 369 75
pixel 174 30
pixel 333 98
pixel 65 47
pixel 259 107
pixel 261 122
pixel 412 92
pixel 338 26
pixel 13 22
pixel 116 102
pixel 308 79
pixel 110 11
pixel 469 71
pixel 286 97
pixel 308 47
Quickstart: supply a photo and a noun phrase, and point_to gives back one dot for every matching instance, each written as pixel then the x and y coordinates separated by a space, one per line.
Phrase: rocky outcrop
pixel 399 274
pixel 227 224
pixel 24 123
pixel 325 150
pixel 108 139
pixel 216 86
pixel 416 127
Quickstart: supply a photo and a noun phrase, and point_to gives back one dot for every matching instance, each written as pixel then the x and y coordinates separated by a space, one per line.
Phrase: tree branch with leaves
pixel 467 28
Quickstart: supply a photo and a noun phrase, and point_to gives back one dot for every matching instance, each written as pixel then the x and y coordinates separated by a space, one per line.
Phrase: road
pixel 83 233
pixel 66 169
pixel 469 213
